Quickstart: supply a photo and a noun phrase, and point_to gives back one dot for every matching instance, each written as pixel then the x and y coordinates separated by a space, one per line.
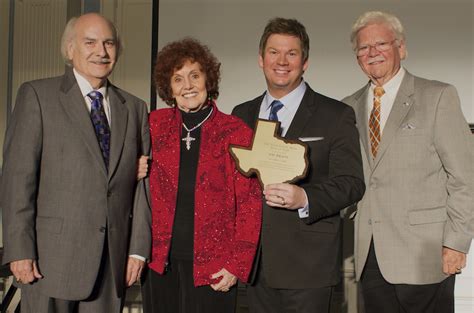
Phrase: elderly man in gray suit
pixel 412 224
pixel 75 220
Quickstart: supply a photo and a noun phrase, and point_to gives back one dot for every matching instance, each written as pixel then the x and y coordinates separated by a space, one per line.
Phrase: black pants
pixel 174 292
pixel 381 296
pixel 265 299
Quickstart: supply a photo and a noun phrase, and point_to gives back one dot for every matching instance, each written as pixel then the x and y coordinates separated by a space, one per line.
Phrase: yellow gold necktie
pixel 374 121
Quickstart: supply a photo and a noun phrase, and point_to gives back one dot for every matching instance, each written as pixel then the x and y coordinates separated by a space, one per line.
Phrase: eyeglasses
pixel 379 46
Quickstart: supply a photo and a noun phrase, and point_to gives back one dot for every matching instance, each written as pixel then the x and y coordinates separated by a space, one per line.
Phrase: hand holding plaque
pixel 273 158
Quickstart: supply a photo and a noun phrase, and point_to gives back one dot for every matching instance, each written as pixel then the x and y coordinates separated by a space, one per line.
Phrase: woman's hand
pixel 142 167
pixel 228 280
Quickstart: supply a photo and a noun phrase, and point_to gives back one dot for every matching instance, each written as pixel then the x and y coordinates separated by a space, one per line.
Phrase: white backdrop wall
pixel 439 38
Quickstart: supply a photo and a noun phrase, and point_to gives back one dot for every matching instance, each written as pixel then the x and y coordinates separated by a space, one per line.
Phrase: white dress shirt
pixel 291 103
pixel 386 101
pixel 86 88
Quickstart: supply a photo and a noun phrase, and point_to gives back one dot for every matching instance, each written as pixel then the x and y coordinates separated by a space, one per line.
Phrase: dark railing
pixel 4 274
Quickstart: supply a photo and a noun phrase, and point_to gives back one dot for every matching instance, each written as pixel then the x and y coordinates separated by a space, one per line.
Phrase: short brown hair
pixel 284 26
pixel 173 56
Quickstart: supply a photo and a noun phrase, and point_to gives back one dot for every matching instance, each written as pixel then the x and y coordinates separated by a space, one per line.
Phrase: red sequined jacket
pixel 228 206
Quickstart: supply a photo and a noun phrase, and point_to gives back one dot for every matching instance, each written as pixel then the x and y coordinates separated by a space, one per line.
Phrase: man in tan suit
pixel 412 224
pixel 75 223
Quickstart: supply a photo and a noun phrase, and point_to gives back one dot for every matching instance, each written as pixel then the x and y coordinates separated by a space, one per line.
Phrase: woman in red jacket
pixel 206 216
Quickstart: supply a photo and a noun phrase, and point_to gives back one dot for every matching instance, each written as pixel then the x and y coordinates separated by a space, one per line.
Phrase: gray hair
pixel 70 33
pixel 377 17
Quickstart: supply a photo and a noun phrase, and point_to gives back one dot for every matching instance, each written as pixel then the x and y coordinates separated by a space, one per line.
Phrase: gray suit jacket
pixel 59 202
pixel 419 195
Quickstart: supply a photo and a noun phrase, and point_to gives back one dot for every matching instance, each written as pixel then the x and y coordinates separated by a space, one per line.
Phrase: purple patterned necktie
pixel 101 126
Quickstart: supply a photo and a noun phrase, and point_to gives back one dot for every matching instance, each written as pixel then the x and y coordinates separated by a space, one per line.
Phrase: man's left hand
pixel 142 167
pixel 134 270
pixel 286 196
pixel 453 261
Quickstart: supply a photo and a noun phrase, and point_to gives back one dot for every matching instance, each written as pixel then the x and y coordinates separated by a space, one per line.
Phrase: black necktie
pixel 101 125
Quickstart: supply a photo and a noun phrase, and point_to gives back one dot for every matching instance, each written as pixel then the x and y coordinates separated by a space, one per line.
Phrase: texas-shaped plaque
pixel 273 158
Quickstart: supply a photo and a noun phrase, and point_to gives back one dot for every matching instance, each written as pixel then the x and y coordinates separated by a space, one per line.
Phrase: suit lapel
pixel 254 111
pixel 401 106
pixel 303 114
pixel 362 123
pixel 119 126
pixel 73 104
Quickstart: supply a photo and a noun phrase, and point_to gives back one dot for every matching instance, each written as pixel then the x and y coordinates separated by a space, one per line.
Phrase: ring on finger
pixel 283 202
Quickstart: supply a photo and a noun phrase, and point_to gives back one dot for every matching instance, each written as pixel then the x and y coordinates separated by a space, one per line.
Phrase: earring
pixel 209 99
pixel 171 102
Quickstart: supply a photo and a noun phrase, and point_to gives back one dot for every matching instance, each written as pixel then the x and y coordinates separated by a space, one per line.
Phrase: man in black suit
pixel 299 260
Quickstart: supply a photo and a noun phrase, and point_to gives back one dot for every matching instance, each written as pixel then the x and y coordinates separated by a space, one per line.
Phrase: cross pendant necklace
pixel 188 137
pixel 188 140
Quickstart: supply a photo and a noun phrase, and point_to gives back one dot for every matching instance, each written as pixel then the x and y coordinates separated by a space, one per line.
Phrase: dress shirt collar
pixel 290 102
pixel 388 99
pixel 86 87
pixel 393 84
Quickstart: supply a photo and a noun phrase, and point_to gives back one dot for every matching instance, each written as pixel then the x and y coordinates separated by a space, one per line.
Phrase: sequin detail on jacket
pixel 228 205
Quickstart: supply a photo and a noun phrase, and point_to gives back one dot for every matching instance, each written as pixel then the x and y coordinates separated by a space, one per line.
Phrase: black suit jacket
pixel 305 253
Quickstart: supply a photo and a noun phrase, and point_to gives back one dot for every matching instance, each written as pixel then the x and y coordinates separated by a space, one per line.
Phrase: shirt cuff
pixel 136 256
pixel 304 211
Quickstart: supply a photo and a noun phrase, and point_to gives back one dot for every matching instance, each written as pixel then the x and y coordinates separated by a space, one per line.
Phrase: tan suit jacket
pixel 59 202
pixel 419 196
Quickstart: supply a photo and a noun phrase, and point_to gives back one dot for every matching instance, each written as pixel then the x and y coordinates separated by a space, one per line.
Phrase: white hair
pixel 70 33
pixel 377 17
pixel 68 36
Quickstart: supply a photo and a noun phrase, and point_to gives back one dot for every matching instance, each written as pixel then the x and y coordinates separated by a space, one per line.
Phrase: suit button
pixel 109 193
pixel 370 222
pixel 102 229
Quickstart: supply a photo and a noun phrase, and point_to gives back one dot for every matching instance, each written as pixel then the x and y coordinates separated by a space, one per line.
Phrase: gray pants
pixel 103 299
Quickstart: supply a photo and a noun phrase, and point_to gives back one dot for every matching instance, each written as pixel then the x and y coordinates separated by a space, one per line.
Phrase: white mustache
pixel 376 59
